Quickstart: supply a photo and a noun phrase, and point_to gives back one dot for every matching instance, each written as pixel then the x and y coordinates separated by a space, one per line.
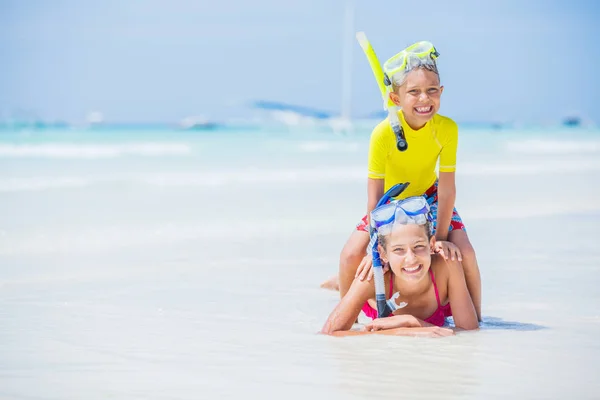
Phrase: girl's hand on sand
pixel 397 321
pixel 448 250
pixel 365 268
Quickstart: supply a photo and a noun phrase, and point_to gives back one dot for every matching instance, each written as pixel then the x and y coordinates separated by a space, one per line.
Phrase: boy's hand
pixel 448 250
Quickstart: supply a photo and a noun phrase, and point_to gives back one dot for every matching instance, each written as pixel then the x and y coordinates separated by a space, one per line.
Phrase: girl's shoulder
pixel 440 274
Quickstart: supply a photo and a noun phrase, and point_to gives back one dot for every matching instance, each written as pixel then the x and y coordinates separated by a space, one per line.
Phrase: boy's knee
pixel 469 260
pixel 351 256
pixel 468 253
pixel 460 239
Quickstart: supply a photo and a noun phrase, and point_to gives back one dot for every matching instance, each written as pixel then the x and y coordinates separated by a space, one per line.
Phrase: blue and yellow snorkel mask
pixel 394 72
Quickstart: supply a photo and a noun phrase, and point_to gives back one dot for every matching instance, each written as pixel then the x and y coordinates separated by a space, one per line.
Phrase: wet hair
pixel 397 83
pixel 382 239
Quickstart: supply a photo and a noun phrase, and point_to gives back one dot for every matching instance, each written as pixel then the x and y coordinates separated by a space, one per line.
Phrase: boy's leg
pixel 352 254
pixel 469 261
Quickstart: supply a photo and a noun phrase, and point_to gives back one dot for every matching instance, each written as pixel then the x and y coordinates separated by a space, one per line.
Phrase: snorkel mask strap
pixel 401 143
pixel 383 308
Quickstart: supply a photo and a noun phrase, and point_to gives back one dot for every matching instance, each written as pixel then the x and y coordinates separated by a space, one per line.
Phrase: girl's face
pixel 408 251
pixel 419 97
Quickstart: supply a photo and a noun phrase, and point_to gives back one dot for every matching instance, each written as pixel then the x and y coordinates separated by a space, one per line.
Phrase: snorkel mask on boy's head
pixel 420 54
pixel 412 210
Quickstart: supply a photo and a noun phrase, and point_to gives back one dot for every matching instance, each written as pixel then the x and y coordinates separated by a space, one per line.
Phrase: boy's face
pixel 419 97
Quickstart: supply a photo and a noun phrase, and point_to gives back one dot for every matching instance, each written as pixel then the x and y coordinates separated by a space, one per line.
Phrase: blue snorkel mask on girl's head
pixel 412 210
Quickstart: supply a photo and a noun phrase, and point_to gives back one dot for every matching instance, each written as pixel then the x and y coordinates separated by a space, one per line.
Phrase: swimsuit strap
pixel 437 295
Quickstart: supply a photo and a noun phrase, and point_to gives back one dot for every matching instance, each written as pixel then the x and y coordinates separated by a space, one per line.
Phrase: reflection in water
pixel 493 323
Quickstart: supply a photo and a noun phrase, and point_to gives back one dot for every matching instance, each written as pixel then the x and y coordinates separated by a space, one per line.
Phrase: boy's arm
pixel 447 182
pixel 376 165
pixel 374 193
pixel 446 198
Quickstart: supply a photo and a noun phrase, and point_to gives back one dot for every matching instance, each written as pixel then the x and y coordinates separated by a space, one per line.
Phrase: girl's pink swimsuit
pixel 437 318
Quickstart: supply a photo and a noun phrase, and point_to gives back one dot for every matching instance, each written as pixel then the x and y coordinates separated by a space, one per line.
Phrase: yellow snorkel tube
pixel 375 66
pixel 380 77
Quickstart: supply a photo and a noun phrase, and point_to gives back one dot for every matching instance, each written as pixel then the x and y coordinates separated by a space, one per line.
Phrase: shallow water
pixel 184 274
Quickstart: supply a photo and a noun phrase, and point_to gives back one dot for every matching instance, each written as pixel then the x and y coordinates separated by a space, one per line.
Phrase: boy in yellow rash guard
pixel 437 139
pixel 431 138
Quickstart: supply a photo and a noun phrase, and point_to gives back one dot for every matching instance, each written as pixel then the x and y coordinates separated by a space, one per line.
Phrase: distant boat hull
pixel 205 126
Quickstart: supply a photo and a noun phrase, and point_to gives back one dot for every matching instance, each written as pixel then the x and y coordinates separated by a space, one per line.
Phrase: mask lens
pixel 414 205
pixel 421 49
pixel 395 64
pixel 383 215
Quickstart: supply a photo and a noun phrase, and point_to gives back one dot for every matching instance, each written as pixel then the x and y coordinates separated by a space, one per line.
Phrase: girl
pixel 427 284
pixel 415 87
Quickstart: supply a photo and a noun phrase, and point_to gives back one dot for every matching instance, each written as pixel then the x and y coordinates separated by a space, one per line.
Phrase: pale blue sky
pixel 150 60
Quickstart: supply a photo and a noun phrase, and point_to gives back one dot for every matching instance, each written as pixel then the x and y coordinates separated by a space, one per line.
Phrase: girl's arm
pixel 463 310
pixel 446 198
pixel 345 313
pixel 342 318
pixel 431 331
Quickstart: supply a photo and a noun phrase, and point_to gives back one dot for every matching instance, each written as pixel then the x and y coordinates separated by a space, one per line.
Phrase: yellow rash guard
pixel 438 139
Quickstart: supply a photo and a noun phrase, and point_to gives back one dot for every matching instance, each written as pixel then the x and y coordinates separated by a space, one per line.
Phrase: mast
pixel 347 51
